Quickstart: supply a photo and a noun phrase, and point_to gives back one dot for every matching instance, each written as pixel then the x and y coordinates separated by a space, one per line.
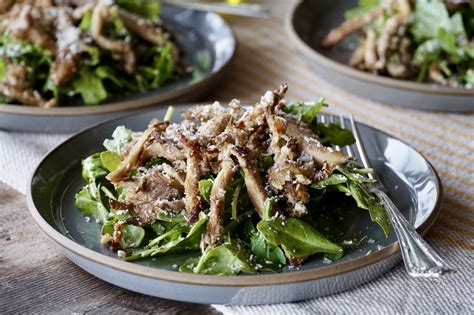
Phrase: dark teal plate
pixel 409 178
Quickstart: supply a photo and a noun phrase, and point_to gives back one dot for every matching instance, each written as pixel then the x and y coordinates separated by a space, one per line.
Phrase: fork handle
pixel 420 258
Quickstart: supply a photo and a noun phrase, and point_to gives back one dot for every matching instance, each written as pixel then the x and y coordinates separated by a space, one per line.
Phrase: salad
pixel 82 51
pixel 430 40
pixel 246 189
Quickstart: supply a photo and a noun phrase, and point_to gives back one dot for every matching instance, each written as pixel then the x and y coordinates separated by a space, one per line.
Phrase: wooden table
pixel 36 278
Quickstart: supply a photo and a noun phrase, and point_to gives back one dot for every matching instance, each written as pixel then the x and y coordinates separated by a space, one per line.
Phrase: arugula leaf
pixel 174 241
pixel 86 21
pixel 106 72
pixel 333 133
pixel 205 187
pixel 121 137
pixel 225 260
pixel 89 205
pixel 145 8
pixel 367 200
pixel 306 111
pixel 92 168
pixel 354 175
pixel 89 85
pixel 3 69
pixel 296 237
pixel 469 77
pixel 269 256
pixel 132 236
pixel 110 160
pixel 429 15
pixel 268 206
pixel 333 179
pixel 172 217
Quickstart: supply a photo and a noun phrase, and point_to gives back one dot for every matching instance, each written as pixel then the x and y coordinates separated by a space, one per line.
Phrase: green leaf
pixel 354 174
pixel 92 168
pixel 158 228
pixel 269 256
pixel 86 21
pixel 94 56
pixel 121 137
pixel 267 162
pixel 110 160
pixel 106 72
pixel 205 187
pixel 85 203
pixel 367 200
pixel 296 237
pixel 224 260
pixel 429 15
pixel 89 205
pixel 3 69
pixel 268 207
pixel 427 52
pixel 189 265
pixel 306 111
pixel 90 86
pixel 170 216
pixel 469 77
pixel 235 201
pixel 335 134
pixel 145 8
pixel 333 179
pixel 174 241
pixel 190 242
pixel 132 236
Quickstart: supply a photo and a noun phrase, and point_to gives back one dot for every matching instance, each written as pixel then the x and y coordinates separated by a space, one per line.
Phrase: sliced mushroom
pixel 253 180
pixel 217 199
pixel 69 47
pixel 123 48
pixel 146 29
pixel 353 25
pixel 133 159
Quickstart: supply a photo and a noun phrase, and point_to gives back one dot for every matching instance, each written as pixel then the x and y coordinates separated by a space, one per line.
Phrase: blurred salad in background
pixel 61 52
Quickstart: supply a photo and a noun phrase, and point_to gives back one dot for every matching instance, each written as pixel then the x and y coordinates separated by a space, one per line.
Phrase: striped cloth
pixel 265 59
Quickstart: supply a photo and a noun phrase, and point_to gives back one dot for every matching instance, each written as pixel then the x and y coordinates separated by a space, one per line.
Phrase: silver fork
pixel 420 258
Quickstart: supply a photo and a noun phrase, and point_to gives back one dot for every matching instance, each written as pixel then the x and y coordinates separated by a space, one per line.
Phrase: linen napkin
pixel 20 152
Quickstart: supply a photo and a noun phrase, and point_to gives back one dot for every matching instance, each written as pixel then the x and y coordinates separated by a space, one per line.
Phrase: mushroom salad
pixel 426 40
pixel 246 188
pixel 57 52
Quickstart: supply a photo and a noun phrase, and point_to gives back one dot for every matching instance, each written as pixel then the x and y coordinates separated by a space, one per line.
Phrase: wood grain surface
pixel 36 278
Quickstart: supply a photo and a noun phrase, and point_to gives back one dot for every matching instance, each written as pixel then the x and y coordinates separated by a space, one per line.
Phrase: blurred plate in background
pixel 207 44
pixel 309 21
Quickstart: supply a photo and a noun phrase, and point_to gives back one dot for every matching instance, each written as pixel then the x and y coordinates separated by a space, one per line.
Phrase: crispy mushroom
pixel 14 86
pixel 123 48
pixel 134 157
pixel 69 47
pixel 353 25
pixel 144 28
pixel 217 198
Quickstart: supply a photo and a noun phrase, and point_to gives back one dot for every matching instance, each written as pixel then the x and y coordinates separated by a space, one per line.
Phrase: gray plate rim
pixel 214 280
pixel 357 74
